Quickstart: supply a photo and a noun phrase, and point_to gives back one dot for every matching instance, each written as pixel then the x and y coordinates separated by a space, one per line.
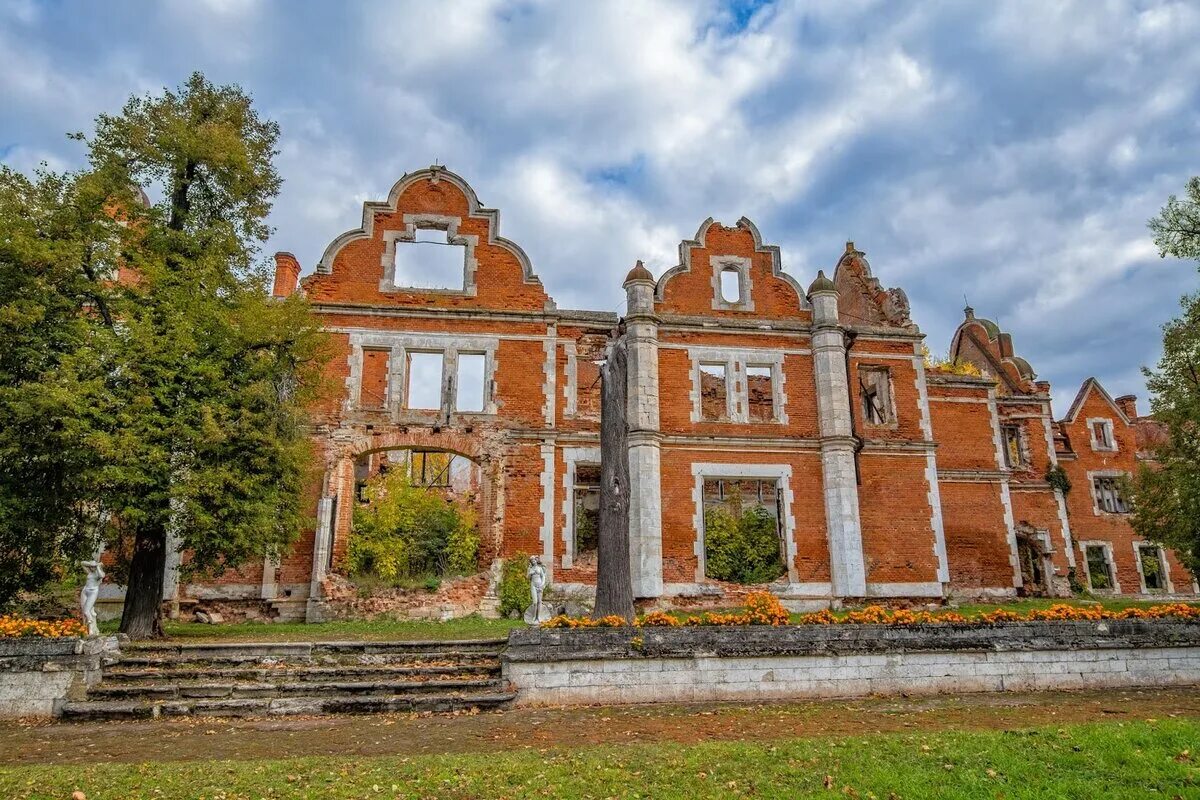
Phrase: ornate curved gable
pixel 862 300
pixel 693 287
pixel 360 265
pixel 981 342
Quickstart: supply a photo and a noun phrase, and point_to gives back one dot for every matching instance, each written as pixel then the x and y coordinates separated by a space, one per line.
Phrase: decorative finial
pixel 849 246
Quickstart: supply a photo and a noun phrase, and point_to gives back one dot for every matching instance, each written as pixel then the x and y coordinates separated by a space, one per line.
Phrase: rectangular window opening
pixel 1012 446
pixel 760 393
pixel 731 285
pixel 1153 573
pixel 1109 497
pixel 430 261
pixel 1099 570
pixel 743 538
pixel 373 389
pixel 875 392
pixel 424 372
pixel 587 509
pixel 714 393
pixel 1102 432
pixel 469 387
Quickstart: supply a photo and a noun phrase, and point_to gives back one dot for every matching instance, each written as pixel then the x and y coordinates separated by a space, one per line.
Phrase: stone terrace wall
pixel 627 665
pixel 36 675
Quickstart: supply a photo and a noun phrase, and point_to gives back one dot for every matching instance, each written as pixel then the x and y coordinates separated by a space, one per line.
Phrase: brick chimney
pixel 287 274
pixel 1128 405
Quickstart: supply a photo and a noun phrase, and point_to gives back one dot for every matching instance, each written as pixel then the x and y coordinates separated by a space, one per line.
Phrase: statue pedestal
pixel 543 613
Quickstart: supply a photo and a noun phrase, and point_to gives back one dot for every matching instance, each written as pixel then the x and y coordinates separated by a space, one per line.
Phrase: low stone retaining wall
pixel 38 675
pixel 639 665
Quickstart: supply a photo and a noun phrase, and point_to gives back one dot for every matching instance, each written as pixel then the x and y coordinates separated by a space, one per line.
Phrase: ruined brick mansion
pixel 885 477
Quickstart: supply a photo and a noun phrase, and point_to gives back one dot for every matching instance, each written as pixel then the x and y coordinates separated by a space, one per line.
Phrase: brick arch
pixel 418 439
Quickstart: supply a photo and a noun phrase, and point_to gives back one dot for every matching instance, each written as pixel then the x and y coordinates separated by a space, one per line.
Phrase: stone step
pixel 296 672
pixel 90 710
pixel 106 691
pixel 131 658
pixel 219 650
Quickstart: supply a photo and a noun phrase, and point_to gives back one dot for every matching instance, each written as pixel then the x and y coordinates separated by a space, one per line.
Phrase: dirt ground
pixel 564 728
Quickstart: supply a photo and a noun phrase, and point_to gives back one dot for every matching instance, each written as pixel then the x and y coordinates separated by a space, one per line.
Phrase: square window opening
pixel 714 393
pixel 1109 495
pixel 1102 433
pixel 760 393
pixel 875 393
pixel 424 391
pixel 469 392
pixel 430 261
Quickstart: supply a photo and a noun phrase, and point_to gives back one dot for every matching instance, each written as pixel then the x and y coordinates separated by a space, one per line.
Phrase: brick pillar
pixel 846 567
pixel 287 273
pixel 645 465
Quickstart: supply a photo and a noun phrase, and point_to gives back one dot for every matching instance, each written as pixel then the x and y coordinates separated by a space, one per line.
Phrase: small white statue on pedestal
pixel 537 612
pixel 91 591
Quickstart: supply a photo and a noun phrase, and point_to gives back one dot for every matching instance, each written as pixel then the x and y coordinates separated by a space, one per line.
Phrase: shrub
pixel 407 531
pixel 514 585
pixel 743 549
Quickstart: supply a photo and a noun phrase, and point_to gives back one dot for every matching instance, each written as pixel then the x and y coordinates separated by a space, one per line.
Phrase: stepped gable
pixel 358 267
pixel 982 343
pixel 693 287
pixel 862 299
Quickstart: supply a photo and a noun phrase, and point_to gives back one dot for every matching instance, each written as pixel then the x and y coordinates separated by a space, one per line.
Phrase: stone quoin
pixel 885 477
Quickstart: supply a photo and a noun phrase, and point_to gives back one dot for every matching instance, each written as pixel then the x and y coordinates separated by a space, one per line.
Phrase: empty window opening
pixel 1099 568
pixel 430 468
pixel 1102 434
pixel 760 394
pixel 469 388
pixel 586 504
pixel 424 380
pixel 731 285
pixel 1013 456
pixel 743 540
pixel 1153 572
pixel 373 389
pixel 714 393
pixel 431 261
pixel 875 391
pixel 1109 497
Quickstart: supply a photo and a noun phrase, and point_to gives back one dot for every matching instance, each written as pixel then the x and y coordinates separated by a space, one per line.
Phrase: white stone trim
pixel 571 385
pixel 1084 544
pixel 741 266
pixel 782 473
pixel 1059 500
pixel 1169 587
pixel 737 392
pixel 1010 527
pixel 933 495
pixel 573 456
pixel 400 344
pixel 1112 434
pixel 547 508
pixel 412 222
pixel 550 371
pixel 916 589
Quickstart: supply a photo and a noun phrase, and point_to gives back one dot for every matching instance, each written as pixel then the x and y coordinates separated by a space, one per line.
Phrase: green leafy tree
pixel 1166 492
pixel 205 438
pixel 58 243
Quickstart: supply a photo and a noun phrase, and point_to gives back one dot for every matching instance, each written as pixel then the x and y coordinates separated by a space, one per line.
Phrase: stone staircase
pixel 236 679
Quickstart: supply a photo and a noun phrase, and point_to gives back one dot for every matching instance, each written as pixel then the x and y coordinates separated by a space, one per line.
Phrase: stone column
pixel 846 567
pixel 645 473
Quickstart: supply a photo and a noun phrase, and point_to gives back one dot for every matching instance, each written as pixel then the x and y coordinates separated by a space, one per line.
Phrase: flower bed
pixel 763 608
pixel 19 627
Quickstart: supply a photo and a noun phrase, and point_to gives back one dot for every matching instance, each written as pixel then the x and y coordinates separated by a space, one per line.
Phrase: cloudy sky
pixel 1010 152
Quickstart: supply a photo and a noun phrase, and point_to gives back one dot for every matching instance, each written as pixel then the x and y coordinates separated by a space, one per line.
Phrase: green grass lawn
pixel 472 627
pixel 1109 760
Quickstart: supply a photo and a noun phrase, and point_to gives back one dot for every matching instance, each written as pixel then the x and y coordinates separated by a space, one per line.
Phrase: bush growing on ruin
pixel 743 548
pixel 514 585
pixel 406 532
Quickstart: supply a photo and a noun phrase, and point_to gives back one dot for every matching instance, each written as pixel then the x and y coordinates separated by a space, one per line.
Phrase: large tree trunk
pixel 142 616
pixel 614 588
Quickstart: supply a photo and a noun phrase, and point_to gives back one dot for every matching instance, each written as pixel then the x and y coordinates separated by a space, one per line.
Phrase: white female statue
pixel 535 615
pixel 91 591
